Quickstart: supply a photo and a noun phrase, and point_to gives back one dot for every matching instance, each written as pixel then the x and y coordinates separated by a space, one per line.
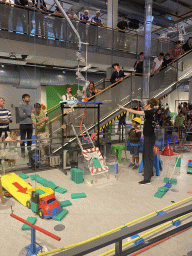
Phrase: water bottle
pixel 116 168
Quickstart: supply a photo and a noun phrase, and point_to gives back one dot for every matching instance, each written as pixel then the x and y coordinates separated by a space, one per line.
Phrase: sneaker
pixel 135 167
pixel 131 164
pixel 143 182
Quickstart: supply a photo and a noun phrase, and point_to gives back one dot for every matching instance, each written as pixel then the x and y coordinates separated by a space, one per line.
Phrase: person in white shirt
pixel 68 95
pixel 157 63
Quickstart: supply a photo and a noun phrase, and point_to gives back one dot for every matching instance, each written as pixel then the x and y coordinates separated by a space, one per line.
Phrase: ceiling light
pixel 2 66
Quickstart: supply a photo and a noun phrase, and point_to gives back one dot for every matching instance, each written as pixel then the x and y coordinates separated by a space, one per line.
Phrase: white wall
pixel 172 97
pixel 13 97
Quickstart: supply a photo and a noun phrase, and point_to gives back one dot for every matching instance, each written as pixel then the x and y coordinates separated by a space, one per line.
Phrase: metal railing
pixel 52 26
pixel 128 91
pixel 13 158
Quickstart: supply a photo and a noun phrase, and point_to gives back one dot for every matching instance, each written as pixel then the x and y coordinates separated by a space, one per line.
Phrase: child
pixel 134 142
pixel 11 148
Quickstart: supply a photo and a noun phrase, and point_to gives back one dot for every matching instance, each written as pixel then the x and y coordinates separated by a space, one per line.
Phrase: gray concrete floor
pixel 106 207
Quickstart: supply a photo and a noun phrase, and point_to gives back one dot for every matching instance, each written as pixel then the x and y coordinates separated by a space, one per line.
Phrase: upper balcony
pixel 48 29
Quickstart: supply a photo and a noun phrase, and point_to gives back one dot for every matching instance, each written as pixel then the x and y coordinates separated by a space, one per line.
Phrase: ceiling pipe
pixel 27 77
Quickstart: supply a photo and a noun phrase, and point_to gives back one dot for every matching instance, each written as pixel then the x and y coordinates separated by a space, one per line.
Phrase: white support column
pixel 112 13
pixel 190 91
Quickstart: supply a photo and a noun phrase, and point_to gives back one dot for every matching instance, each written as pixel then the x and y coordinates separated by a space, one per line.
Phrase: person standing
pixel 157 63
pixel 117 75
pixel 138 67
pixel 5 118
pixel 93 29
pixel 149 137
pixel 187 46
pixel 134 143
pixel 68 95
pixel 40 123
pixel 83 27
pixel 26 124
pixel 122 26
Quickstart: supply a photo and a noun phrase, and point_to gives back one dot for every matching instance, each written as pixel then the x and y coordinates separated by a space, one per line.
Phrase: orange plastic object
pixel 167 151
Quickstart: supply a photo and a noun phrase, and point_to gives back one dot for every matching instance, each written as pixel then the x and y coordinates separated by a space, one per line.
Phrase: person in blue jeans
pixel 149 136
pixel 134 142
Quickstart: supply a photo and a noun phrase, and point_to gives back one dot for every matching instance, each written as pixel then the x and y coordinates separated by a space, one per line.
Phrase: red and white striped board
pixel 93 170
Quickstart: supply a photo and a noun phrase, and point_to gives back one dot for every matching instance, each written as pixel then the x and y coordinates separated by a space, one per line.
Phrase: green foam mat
pixel 166 180
pixel 159 194
pixel 61 190
pixel 23 176
pixel 50 184
pixel 173 181
pixel 39 179
pixel 44 182
pixel 78 195
pixel 40 191
pixel 61 215
pixel 33 176
pixel 32 220
pixel 65 203
pixel 163 189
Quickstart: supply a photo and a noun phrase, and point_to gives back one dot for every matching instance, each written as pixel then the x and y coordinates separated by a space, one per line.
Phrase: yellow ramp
pixel 16 186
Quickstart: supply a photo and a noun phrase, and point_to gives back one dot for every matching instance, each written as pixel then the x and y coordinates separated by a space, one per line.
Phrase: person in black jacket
pixel 117 75
pixel 188 45
pixel 138 67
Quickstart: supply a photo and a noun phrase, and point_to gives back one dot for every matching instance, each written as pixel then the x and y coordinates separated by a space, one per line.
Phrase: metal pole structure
pixel 147 49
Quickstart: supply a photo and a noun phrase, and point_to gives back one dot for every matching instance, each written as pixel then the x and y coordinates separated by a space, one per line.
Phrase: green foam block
pixel 23 176
pixel 189 170
pixel 166 180
pixel 78 195
pixel 32 220
pixel 159 194
pixel 61 215
pixel 173 181
pixel 65 203
pixel 61 190
pixel 163 189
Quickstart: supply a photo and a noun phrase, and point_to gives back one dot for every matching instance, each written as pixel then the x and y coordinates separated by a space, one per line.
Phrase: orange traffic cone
pixel 167 151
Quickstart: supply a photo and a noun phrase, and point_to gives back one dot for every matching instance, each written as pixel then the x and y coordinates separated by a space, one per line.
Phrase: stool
pixel 119 149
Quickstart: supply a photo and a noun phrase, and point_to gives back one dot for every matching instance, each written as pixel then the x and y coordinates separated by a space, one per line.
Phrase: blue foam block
pixel 140 241
pixel 176 223
pixel 161 213
pixel 168 185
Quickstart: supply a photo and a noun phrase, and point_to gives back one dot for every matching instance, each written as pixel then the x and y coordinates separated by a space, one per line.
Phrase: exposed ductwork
pixel 28 77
